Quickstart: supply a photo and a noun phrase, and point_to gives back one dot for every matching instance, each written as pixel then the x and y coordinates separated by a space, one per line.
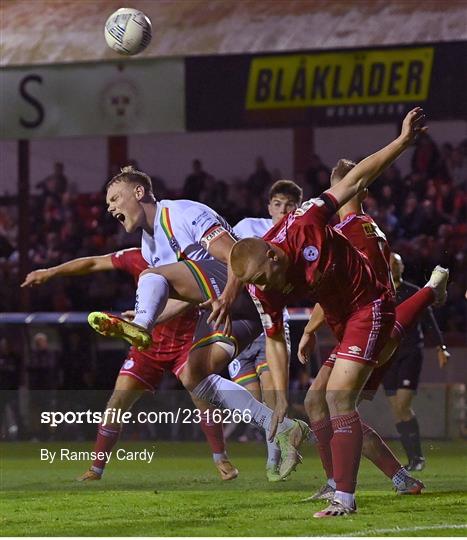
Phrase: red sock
pixel 346 446
pixel 214 433
pixel 409 311
pixel 376 450
pixel 323 432
pixel 107 436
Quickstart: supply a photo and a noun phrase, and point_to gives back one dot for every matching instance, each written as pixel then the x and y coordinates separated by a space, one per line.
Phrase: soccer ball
pixel 128 31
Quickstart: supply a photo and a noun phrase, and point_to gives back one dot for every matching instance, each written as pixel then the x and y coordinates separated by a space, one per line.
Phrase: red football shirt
pixel 172 337
pixel 363 233
pixel 324 267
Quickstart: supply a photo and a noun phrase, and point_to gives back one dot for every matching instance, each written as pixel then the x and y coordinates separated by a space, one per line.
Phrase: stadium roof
pixel 57 31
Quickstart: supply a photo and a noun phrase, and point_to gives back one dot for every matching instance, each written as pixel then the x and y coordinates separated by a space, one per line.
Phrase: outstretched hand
pixel 413 124
pixel 38 277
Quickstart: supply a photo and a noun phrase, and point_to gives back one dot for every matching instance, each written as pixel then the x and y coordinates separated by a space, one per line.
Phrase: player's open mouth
pixel 120 217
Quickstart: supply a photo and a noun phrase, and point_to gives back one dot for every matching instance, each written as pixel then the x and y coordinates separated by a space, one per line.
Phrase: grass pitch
pixel 179 494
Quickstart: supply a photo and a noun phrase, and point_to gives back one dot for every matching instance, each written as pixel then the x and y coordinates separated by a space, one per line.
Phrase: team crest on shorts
pixel 234 368
pixel 129 363
pixel 310 253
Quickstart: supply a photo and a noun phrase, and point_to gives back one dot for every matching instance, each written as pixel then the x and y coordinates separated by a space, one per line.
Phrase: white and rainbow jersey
pixel 181 229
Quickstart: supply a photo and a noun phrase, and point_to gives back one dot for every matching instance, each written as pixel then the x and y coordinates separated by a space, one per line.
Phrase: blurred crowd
pixel 422 211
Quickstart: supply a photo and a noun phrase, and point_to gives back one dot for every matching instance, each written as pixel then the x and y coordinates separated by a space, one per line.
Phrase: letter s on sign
pixel 32 101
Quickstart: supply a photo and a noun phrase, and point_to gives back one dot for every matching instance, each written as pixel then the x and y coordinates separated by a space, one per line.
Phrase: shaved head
pixel 247 256
pixel 253 260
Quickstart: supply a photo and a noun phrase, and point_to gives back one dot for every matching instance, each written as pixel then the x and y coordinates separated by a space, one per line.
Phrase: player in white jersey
pixel 250 368
pixel 172 231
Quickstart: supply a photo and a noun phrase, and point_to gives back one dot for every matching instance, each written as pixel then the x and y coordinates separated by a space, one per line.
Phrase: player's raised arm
pixel 75 267
pixel 365 172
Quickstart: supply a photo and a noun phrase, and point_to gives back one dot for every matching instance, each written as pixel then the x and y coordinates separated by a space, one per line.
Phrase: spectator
pixel 259 179
pixel 426 157
pixel 195 182
pixel 315 173
pixel 56 183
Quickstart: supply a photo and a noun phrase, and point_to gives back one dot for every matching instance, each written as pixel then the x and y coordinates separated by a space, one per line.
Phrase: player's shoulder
pixel 189 208
pixel 249 227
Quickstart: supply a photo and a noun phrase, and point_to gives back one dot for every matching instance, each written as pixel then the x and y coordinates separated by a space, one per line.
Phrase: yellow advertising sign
pixel 339 78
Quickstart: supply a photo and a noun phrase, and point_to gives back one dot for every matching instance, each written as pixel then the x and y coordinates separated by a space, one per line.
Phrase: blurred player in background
pixel 250 368
pixel 142 371
pixel 364 234
pixel 402 376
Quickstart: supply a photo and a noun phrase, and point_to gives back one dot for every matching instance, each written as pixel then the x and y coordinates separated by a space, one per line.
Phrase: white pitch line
pixel 377 532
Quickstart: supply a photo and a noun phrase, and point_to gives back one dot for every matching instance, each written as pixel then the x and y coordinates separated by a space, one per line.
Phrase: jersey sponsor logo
pixel 198 219
pixel 310 253
pixel 372 230
pixel 354 349
pixel 128 364
pixel 234 368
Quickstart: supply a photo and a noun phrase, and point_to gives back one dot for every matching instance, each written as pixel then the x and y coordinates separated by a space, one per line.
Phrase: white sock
pixel 274 453
pixel 347 499
pixel 151 298
pixel 399 478
pixel 219 457
pixel 221 392
pixel 97 470
pixel 332 483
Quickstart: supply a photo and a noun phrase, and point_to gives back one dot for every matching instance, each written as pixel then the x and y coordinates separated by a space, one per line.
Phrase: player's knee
pixel 190 378
pixel 340 401
pixel 315 404
pixel 120 400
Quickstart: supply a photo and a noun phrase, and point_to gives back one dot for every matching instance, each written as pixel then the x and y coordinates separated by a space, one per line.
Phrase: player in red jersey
pixel 302 257
pixel 364 234
pixel 143 370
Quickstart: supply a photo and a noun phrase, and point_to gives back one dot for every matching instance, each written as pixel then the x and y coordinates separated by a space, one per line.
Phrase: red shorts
pixel 150 369
pixel 364 334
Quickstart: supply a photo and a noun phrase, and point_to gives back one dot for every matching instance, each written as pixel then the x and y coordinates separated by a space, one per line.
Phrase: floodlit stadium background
pixel 66 98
